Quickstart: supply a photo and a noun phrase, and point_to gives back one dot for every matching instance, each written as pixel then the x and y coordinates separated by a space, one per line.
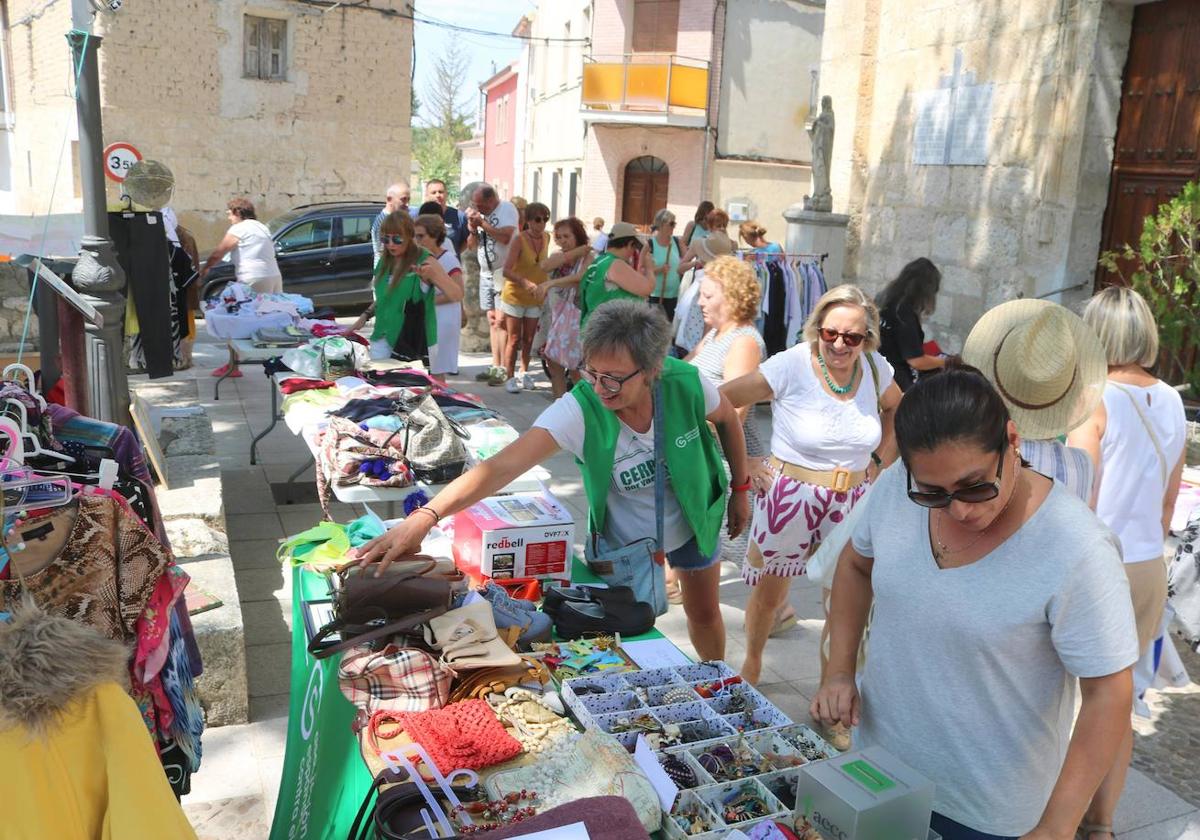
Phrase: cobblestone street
pixel 1167 748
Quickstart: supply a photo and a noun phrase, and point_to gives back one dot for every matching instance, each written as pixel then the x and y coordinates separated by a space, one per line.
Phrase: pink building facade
pixel 500 132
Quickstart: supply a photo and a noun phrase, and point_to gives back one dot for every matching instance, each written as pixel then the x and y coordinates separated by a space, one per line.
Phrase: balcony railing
pixel 645 83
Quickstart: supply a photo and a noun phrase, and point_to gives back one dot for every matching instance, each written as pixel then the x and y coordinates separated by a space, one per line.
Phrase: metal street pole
pixel 97 276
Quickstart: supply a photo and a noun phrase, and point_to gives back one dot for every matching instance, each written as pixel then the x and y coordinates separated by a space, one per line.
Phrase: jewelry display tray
pixel 763 728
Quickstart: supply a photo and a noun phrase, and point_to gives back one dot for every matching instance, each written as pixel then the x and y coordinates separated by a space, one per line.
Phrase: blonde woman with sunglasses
pixel 832 400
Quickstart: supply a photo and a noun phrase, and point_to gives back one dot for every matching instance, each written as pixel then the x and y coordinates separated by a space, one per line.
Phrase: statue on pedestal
pixel 820 130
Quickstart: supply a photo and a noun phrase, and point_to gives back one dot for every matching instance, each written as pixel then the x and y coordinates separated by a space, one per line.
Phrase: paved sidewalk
pixel 234 793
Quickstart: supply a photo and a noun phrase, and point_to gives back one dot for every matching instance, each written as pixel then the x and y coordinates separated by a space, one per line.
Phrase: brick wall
pixel 610 147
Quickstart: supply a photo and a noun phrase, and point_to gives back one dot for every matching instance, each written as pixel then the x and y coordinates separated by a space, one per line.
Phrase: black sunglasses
pixel 539 218
pixel 610 384
pixel 851 339
pixel 391 239
pixel 975 494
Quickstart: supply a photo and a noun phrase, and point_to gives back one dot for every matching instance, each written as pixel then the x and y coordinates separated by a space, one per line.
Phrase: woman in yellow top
pixel 520 303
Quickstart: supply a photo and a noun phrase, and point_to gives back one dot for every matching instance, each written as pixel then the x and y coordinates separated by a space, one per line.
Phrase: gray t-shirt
pixel 970 674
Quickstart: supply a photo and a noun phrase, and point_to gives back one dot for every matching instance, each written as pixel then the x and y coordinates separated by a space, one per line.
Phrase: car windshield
pixel 279 222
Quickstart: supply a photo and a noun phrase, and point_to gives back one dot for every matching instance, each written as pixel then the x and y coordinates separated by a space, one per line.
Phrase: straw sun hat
pixel 1046 363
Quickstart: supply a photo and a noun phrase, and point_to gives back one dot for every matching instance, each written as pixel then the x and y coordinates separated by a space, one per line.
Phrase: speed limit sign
pixel 118 157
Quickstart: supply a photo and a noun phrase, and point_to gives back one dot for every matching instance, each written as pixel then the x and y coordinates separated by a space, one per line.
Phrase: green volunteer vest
pixel 591 287
pixel 693 460
pixel 390 303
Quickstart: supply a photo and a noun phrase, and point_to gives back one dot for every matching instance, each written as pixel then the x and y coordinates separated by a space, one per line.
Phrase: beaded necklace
pixel 840 390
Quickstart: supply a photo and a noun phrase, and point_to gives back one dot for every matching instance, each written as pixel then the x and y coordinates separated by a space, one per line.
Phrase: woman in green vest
pixel 612 275
pixel 405 282
pixel 606 422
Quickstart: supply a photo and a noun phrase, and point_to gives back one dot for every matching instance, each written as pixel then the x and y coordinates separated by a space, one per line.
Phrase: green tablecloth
pixel 324 779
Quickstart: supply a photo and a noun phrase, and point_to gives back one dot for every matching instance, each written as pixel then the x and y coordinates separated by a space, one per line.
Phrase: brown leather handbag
pixel 366 608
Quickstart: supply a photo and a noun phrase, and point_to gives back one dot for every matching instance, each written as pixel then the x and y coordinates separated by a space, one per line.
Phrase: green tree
pixel 449 121
pixel 1165 269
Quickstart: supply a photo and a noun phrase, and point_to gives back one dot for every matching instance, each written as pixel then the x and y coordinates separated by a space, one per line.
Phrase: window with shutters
pixel 264 51
pixel 655 26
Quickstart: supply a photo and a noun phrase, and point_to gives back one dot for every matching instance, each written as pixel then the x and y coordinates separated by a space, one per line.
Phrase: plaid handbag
pixel 395 679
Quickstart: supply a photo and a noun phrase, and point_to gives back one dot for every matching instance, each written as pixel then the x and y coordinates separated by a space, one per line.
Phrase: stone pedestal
pixel 812 232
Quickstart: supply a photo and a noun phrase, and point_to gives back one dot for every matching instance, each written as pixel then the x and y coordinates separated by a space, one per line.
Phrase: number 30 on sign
pixel 118 157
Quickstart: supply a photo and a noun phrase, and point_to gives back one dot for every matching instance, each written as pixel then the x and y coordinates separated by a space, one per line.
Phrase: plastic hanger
pixel 33 445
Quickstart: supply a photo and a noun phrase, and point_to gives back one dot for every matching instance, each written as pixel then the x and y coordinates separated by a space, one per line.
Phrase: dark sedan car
pixel 323 250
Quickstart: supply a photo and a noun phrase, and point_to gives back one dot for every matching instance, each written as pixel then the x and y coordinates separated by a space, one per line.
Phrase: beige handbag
pixel 467 639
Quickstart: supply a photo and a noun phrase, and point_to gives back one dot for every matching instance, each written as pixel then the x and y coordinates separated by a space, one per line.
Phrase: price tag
pixel 118 157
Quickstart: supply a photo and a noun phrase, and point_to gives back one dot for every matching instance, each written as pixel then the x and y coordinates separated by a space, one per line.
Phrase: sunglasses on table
pixel 610 384
pixel 973 494
pixel 391 239
pixel 849 338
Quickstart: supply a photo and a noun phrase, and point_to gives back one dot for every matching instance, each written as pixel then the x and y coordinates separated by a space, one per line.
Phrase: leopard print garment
pixel 103 576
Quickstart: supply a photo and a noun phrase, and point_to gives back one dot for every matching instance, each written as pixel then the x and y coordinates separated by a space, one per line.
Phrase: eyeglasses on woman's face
pixel 850 339
pixel 542 219
pixel 972 494
pixel 608 383
pixel 392 239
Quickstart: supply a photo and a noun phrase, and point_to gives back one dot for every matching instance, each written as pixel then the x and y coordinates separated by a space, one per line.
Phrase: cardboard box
pixel 864 795
pixel 525 535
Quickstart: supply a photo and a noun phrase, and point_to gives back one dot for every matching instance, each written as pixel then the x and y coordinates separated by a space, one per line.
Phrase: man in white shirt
pixel 491 224
pixel 398 196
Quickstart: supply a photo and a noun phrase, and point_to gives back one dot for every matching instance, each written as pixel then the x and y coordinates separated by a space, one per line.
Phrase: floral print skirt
pixel 789 522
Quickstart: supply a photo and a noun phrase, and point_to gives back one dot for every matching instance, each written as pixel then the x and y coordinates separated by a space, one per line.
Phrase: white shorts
pixel 267 285
pixel 514 310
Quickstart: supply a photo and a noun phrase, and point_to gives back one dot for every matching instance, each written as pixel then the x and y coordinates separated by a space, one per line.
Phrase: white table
pixel 243 323
pixel 243 350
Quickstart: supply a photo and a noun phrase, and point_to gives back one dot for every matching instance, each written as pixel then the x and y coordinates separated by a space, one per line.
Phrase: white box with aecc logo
pixel 525 535
pixel 864 795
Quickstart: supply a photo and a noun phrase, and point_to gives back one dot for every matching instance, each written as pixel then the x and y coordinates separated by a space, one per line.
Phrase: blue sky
pixel 491 15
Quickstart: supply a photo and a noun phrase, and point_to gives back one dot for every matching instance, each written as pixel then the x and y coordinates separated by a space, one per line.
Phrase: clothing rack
pixel 751 256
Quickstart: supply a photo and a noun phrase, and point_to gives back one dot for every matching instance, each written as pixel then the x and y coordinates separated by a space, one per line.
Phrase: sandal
pixel 1086 830
pixel 784 621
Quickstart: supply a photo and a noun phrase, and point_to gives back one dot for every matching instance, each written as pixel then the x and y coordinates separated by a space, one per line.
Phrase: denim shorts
pixel 488 297
pixel 687 558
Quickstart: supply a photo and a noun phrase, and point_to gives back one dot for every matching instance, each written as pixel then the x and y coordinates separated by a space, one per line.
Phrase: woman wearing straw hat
pixel 1136 435
pixel 1049 367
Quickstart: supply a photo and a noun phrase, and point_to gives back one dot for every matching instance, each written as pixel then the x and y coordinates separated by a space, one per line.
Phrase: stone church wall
pixel 1028 220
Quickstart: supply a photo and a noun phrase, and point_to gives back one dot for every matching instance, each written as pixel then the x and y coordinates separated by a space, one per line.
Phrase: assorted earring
pixel 743 804
pixel 692 819
pixel 727 764
pixel 810 749
pixel 678 771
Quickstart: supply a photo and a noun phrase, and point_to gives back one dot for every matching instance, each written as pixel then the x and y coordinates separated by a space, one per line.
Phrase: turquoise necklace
pixel 840 390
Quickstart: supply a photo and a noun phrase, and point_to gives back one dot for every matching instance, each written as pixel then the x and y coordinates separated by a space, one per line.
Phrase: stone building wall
pixel 172 84
pixel 1029 221
pixel 14 295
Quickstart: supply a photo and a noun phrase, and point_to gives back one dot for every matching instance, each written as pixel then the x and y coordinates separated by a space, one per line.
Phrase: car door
pixel 304 251
pixel 353 258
